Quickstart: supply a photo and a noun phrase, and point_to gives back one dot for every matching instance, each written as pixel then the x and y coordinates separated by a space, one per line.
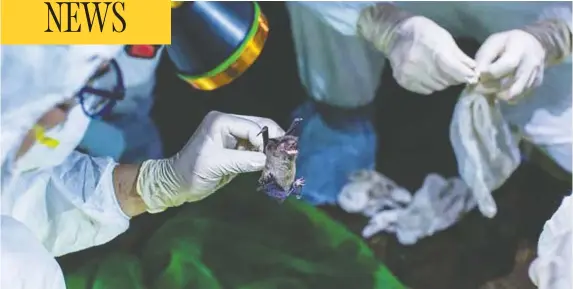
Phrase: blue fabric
pixel 142 139
pixel 103 140
pixel 127 139
pixel 333 143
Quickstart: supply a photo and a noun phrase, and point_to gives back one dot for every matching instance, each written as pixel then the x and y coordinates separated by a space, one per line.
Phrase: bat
pixel 278 178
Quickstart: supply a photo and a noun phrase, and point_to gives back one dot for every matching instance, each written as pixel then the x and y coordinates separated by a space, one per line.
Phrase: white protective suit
pixel 65 209
pixel 131 136
pixel 334 65
pixel 338 67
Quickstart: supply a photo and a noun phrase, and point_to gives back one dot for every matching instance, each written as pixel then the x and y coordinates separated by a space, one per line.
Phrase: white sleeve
pixel 77 208
pixel 560 11
pixel 555 34
pixel 341 15
pixel 553 265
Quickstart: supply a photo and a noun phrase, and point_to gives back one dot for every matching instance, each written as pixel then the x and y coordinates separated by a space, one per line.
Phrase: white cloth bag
pixel 486 150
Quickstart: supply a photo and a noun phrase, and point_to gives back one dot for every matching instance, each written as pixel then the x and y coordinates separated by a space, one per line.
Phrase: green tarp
pixel 241 239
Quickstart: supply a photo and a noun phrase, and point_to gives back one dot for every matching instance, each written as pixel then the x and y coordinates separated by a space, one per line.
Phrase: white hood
pixel 35 78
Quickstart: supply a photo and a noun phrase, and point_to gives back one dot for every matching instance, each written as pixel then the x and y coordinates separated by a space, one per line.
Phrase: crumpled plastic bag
pixel 486 150
pixel 436 206
pixel 368 192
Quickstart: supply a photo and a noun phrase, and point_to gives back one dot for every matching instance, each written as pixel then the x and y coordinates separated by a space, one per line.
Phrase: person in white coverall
pixel 129 132
pixel 56 200
pixel 524 60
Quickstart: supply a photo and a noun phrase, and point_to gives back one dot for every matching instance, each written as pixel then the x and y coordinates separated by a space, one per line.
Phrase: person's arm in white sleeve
pixel 89 201
pixel 223 146
pixel 78 207
pixel 553 31
pixel 424 57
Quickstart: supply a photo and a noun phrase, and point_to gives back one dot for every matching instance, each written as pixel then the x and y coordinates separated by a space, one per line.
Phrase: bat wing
pixel 267 179
pixel 268 184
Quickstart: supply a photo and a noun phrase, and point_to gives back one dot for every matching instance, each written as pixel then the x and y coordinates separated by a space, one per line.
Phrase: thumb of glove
pixel 489 51
pixel 239 161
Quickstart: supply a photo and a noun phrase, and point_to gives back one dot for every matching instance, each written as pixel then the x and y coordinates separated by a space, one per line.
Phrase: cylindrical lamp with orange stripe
pixel 213 43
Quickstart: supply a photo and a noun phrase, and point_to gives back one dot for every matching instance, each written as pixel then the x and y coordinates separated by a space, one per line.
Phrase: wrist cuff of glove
pixel 554 36
pixel 157 185
pixel 377 24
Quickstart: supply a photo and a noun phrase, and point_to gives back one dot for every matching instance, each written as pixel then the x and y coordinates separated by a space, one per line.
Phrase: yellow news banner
pixel 86 22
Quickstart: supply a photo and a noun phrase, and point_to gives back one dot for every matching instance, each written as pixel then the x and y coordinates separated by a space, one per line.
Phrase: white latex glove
pixel 511 63
pixel 223 146
pixel 424 56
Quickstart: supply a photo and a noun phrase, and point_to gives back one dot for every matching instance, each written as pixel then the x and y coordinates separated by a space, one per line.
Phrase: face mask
pixel 53 146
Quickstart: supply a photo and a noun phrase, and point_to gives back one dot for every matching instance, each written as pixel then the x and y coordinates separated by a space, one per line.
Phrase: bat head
pixel 285 146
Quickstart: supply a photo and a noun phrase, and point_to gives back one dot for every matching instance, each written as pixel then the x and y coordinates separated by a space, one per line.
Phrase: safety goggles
pixel 102 91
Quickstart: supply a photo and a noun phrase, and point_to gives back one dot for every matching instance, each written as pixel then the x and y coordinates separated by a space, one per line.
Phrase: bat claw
pixel 264 129
pixel 299 182
pixel 293 125
pixel 265 132
pixel 296 188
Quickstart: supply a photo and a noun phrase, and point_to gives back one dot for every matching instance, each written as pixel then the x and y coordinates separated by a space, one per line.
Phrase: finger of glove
pixel 237 161
pixel 274 129
pixel 464 68
pixel 507 63
pixel 487 207
pixel 418 87
pixel 535 80
pixel 224 181
pixel 488 52
pixel 434 84
pixel 527 89
pixel 242 128
pixel 522 77
pixel 443 81
pixel 456 68
pixel 464 58
pixel 486 203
